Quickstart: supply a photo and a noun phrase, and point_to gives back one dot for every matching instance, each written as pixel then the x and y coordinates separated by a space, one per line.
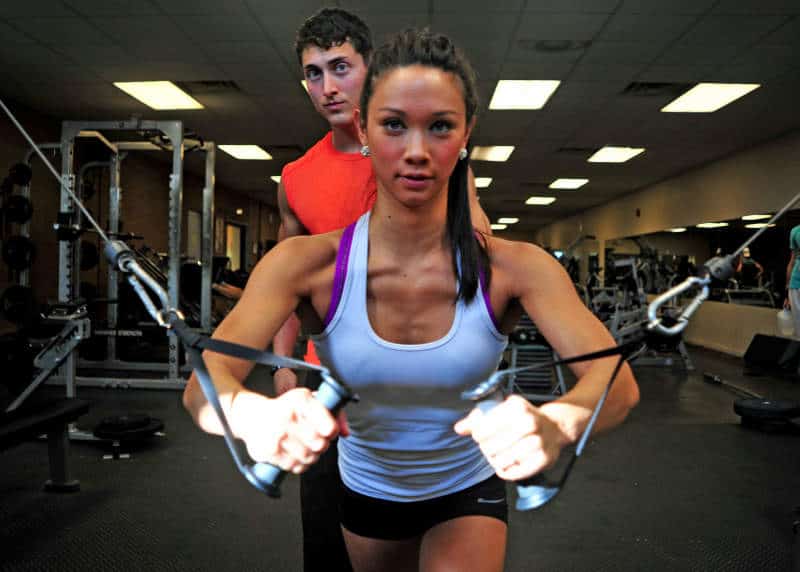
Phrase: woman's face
pixel 416 126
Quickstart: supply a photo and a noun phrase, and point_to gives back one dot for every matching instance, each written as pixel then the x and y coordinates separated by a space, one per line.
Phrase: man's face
pixel 334 79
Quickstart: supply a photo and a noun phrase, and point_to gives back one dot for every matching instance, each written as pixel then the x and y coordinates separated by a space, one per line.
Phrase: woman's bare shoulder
pixel 298 257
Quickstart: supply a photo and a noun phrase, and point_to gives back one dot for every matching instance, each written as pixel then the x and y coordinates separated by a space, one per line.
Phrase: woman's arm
pixel 291 430
pixel 518 438
pixel 549 298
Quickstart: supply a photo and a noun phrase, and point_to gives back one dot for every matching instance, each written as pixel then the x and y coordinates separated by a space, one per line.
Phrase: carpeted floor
pixel 680 486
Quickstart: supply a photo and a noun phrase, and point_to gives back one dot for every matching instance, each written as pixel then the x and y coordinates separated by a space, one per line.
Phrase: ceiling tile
pixel 24 54
pixel 359 6
pixel 32 8
pixel 670 7
pixel 207 7
pixel 788 33
pixel 760 7
pixel 383 25
pixel 112 7
pixel 462 6
pixel 583 6
pixel 63 31
pixel 731 30
pixel 698 55
pixel 98 55
pixel 539 69
pixel 221 28
pixel 469 33
pixel 13 35
pixel 510 126
pixel 257 77
pixel 562 26
pixel 677 73
pixel 153 71
pixel 621 53
pixel 658 29
pixel 759 63
pixel 608 72
pixel 241 52
pixel 142 30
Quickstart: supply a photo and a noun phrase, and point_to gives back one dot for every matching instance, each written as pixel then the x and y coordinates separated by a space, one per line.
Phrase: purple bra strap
pixel 341 271
pixel 486 299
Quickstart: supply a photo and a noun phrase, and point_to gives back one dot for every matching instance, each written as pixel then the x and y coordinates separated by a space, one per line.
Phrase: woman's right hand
pixel 786 304
pixel 290 431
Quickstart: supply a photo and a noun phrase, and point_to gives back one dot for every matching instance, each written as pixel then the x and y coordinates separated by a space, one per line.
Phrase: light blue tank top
pixel 402 445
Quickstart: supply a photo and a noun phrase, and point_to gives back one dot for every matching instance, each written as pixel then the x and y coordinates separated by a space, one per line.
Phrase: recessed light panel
pixel 540 201
pixel 495 153
pixel 712 224
pixel 247 152
pixel 709 97
pixel 610 154
pixel 522 94
pixel 159 95
pixel 568 183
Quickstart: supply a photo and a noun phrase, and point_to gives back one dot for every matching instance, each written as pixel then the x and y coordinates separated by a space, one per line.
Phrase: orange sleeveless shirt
pixel 327 190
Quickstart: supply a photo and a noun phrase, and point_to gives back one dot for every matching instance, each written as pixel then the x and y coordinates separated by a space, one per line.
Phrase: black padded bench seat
pixel 52 418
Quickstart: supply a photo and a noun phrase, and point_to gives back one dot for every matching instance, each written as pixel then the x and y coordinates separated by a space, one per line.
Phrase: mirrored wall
pixel 666 258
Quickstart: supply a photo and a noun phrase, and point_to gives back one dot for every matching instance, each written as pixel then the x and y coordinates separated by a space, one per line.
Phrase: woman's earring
pixel 462 154
pixel 365 151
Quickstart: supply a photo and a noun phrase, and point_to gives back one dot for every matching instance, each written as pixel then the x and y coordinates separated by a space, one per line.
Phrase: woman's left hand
pixel 517 438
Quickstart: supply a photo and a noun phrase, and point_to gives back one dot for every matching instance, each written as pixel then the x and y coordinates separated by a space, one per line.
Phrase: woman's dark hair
pixel 422 47
pixel 333 27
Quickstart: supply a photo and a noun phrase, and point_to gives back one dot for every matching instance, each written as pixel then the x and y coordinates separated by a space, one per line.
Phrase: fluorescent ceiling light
pixel 159 94
pixel 712 224
pixel 253 152
pixel 759 225
pixel 568 183
pixel 496 153
pixel 498 226
pixel 522 94
pixel 709 97
pixel 540 201
pixel 610 154
pixel 276 178
pixel 483 182
pixel 677 229
pixel 508 220
pixel 756 216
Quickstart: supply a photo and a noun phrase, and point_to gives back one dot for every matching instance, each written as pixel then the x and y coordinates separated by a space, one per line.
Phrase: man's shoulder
pixel 306 158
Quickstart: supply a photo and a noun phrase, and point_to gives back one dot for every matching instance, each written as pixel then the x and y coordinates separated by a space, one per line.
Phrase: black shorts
pixel 389 520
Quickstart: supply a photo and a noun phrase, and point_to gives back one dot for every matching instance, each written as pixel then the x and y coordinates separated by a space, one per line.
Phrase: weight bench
pixel 51 418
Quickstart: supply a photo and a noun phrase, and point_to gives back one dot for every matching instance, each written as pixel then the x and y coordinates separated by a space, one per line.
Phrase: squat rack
pixel 68 277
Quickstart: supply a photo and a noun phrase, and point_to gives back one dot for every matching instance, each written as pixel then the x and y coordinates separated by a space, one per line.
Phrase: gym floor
pixel 680 486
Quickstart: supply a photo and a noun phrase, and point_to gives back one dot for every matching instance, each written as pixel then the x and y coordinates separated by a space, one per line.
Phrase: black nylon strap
pixel 195 343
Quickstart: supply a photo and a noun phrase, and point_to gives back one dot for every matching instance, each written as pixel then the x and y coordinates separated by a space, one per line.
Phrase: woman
pixel 409 308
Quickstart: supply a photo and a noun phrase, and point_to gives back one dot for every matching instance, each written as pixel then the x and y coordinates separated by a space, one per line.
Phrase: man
pixel 749 271
pixel 327 188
